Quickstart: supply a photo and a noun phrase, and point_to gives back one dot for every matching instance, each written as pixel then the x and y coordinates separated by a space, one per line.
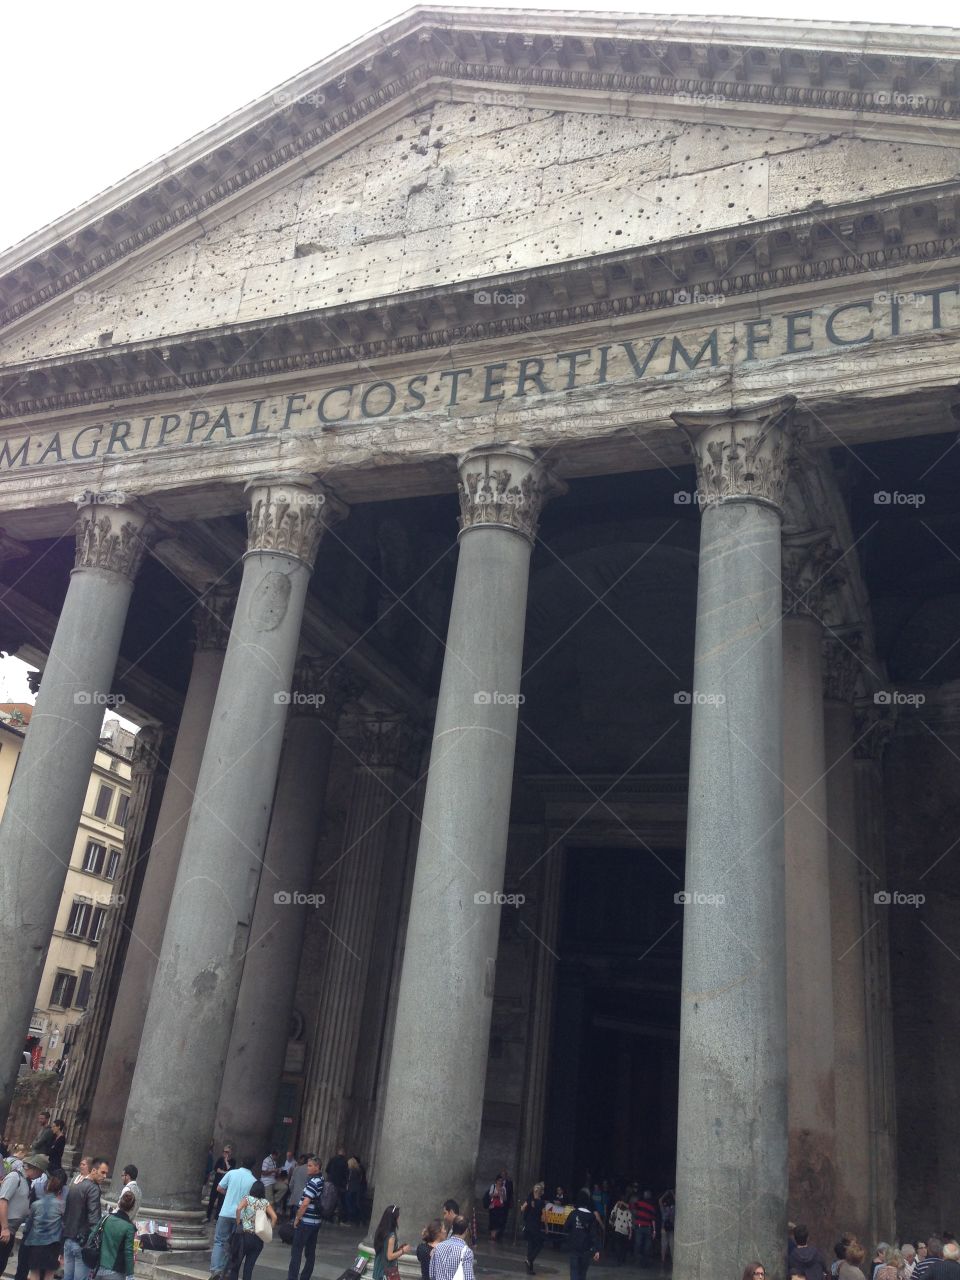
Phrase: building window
pixel 64 985
pixel 104 796
pixel 96 924
pixel 79 921
pixel 82 998
pixel 114 766
pixel 123 804
pixel 112 863
pixel 94 857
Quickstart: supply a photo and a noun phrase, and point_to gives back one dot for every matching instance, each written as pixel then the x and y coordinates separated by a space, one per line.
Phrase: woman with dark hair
pixel 497 1207
pixel 755 1271
pixel 250 1243
pixel 431 1235
pixel 58 1144
pixel 386 1247
pixel 116 1243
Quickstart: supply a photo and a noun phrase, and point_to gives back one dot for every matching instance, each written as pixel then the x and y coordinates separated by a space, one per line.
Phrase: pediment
pixel 476 186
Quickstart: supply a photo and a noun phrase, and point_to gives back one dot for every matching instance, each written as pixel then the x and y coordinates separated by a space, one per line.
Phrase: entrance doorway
pixel 612 1092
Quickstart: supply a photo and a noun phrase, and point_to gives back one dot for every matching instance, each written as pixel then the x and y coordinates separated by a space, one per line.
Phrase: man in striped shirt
pixel 450 1253
pixel 645 1223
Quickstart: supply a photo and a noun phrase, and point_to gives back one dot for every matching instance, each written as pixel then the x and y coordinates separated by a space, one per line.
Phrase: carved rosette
pixel 390 741
pixel 842 665
pixel 322 688
pixel 110 535
pixel 290 516
pixel 504 486
pixel 741 454
pixel 212 615
pixel 810 572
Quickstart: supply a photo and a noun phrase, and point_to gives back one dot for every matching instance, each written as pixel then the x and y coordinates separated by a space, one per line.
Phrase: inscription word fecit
pixel 355 401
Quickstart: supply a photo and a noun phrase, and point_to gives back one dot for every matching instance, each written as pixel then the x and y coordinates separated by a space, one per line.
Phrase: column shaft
pixel 43 807
pixel 143 948
pixel 258 1041
pixel 452 933
pixel 810 1035
pixel 377 791
pixel 194 996
pixel 852 1204
pixel 732 1129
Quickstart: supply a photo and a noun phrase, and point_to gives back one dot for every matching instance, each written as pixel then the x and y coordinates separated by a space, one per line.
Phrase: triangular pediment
pixel 460 146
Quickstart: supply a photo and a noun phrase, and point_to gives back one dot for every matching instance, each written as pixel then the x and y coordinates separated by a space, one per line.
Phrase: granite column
pixel 44 803
pixel 732 1129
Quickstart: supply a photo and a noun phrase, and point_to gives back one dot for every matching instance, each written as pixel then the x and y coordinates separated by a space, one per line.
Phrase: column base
pixel 189 1231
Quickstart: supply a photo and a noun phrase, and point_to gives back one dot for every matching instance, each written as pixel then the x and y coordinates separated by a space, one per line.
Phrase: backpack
pixel 579 1228
pixel 329 1197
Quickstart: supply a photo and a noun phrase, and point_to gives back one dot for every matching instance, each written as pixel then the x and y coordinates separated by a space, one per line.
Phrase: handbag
pixel 261 1225
pixel 90 1249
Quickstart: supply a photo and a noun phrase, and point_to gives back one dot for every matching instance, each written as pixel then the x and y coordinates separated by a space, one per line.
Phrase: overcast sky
pixel 90 92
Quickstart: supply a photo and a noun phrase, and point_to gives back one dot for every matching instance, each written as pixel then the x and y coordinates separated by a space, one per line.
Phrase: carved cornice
pixel 842 666
pixel 390 742
pixel 212 616
pixel 110 536
pixel 810 572
pixel 870 237
pixel 504 486
pixel 612 60
pixel 289 517
pixel 742 453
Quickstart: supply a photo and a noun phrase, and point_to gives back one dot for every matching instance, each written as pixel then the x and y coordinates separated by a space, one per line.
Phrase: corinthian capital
pixel 212 615
pixel 111 535
pixel 504 486
pixel 741 453
pixel 810 572
pixel 290 516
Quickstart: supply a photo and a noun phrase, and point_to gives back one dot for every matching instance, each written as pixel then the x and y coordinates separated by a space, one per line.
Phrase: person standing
pixel 645 1225
pixel 43 1234
pixel 352 1209
pixel 298 1180
pixel 130 1175
pixel 668 1216
pixel 43 1142
pixel 306 1223
pixel 251 1246
pixel 909 1255
pixel 582 1236
pixel 15 1204
pixel 853 1257
pixel 233 1186
pixel 116 1243
pixel 947 1267
pixel 58 1145
pixel 337 1170
pixel 532 1214
pixel 81 1215
pixel 224 1163
pixel 448 1212
pixel 386 1246
pixel 495 1202
pixel 804 1258
pixel 451 1252
pixel 621 1219
pixel 430 1236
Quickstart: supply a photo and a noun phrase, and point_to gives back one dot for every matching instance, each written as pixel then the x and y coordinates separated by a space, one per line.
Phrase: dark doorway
pixel 612 1097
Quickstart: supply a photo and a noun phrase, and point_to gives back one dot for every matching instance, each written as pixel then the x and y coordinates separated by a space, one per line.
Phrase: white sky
pixel 91 92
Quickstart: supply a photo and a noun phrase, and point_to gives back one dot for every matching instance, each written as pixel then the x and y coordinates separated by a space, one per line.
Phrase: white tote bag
pixel 261 1225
